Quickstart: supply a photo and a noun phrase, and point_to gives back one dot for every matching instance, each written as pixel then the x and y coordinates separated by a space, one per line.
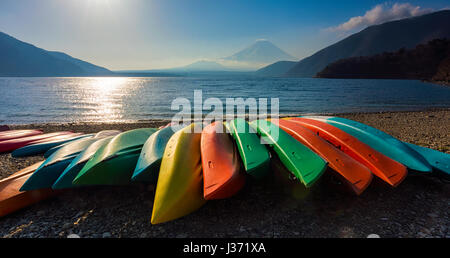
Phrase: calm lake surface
pixel 39 100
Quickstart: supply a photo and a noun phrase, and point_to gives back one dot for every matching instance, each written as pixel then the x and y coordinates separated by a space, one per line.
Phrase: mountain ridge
pixel 389 36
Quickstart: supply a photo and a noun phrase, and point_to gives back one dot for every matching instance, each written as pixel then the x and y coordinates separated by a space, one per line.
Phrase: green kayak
pixel 147 168
pixel 114 163
pixel 71 171
pixel 49 171
pixel 306 165
pixel 254 155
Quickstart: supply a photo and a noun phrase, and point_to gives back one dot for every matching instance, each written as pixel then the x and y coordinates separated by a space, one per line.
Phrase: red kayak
pixel 14 134
pixel 356 176
pixel 4 128
pixel 382 166
pixel 10 145
pixel 222 177
pixel 12 199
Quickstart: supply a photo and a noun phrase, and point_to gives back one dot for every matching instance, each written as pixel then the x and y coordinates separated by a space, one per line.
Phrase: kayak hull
pixel 42 146
pixel 254 155
pixel 14 134
pixel 114 163
pixel 149 162
pixel 179 190
pixel 13 144
pixel 380 165
pixel 222 177
pixel 356 176
pixel 12 199
pixel 306 165
pixel 440 161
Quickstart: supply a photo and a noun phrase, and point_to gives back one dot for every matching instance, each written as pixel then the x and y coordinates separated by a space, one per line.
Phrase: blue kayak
pixel 147 168
pixel 76 165
pixel 49 171
pixel 440 161
pixel 39 148
pixel 380 141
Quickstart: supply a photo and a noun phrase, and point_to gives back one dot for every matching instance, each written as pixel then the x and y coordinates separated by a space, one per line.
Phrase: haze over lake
pixel 40 100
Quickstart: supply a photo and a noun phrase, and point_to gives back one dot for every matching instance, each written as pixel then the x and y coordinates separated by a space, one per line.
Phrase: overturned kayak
pixel 66 178
pixel 47 173
pixel 354 174
pixel 222 177
pixel 440 161
pixel 14 134
pixel 40 147
pixel 253 153
pixel 13 144
pixel 380 141
pixel 99 135
pixel 12 199
pixel 149 161
pixel 306 165
pixel 179 190
pixel 382 166
pixel 114 163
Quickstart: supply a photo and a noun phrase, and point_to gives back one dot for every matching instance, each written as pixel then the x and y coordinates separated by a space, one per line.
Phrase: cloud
pixel 380 14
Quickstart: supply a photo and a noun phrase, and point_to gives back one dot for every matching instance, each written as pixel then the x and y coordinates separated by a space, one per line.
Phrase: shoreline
pixel 418 207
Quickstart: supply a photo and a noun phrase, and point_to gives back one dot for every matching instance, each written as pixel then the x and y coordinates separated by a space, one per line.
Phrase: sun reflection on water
pixel 108 93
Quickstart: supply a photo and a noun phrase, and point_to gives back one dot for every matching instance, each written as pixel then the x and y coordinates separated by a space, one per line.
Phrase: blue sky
pixel 148 34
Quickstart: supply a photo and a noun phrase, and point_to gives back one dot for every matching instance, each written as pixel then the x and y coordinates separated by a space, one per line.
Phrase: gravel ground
pixel 419 207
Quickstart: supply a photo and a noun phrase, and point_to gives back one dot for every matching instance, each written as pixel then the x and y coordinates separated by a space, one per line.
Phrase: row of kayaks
pixel 193 164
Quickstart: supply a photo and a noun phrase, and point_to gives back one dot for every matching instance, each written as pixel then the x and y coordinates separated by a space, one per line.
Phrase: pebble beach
pixel 418 207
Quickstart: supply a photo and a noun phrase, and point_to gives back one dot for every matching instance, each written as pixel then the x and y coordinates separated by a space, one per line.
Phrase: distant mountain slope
pixel 22 59
pixel 276 69
pixel 262 51
pixel 202 66
pixel 425 62
pixel 389 36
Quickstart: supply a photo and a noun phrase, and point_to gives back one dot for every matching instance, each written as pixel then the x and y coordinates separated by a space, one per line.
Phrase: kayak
pixel 42 146
pixel 381 141
pixel 440 161
pixel 14 134
pixel 382 166
pixel 99 135
pixel 49 171
pixel 356 176
pixel 114 163
pixel 306 165
pixel 71 171
pixel 254 155
pixel 11 199
pixel 10 145
pixel 149 161
pixel 4 128
pixel 222 177
pixel 179 190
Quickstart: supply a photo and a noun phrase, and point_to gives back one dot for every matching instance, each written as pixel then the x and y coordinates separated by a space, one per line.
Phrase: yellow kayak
pixel 179 190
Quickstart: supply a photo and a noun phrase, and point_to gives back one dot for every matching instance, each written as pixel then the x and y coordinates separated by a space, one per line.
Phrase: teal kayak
pixel 440 161
pixel 147 168
pixel 114 163
pixel 380 141
pixel 71 171
pixel 254 155
pixel 47 173
pixel 99 135
pixel 40 148
pixel 306 165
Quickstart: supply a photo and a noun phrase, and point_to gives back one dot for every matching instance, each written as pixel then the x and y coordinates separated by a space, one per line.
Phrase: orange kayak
pixel 222 177
pixel 382 166
pixel 355 175
pixel 11 199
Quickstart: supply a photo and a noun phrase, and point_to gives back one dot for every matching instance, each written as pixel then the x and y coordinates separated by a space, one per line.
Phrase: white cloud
pixel 380 14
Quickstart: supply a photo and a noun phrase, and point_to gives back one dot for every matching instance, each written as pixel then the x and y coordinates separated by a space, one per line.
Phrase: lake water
pixel 34 100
